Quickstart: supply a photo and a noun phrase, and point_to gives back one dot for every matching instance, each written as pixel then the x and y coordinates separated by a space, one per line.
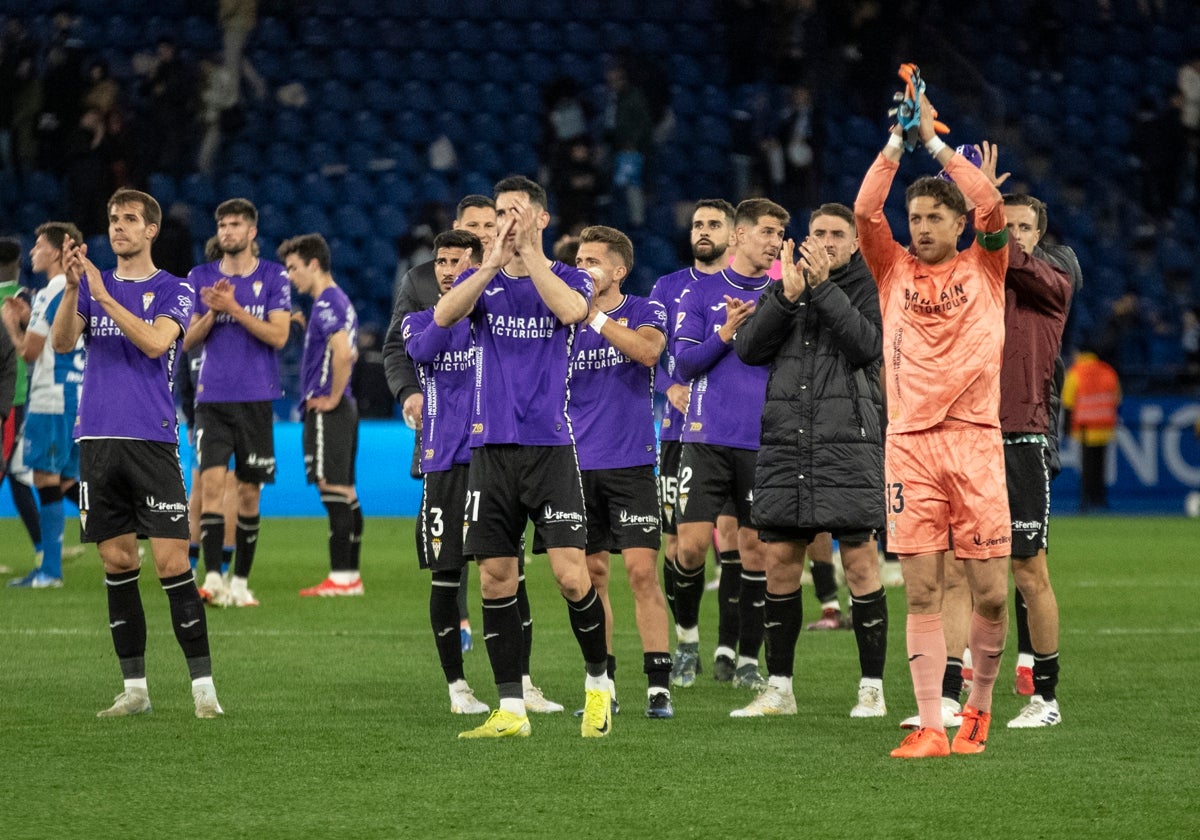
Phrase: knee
pixel 861 566
pixel 1031 578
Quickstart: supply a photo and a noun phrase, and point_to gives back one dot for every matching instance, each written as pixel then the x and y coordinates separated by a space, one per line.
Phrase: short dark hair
pixel 753 209
pixel 834 209
pixel 458 238
pixel 519 183
pixel 10 251
pixel 942 192
pixel 308 247
pixel 473 201
pixel 616 241
pixel 237 207
pixel 56 233
pixel 1036 204
pixel 151 211
pixel 717 204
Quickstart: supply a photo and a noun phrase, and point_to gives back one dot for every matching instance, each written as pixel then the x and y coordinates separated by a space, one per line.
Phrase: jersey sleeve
pixel 424 339
pixel 281 298
pixel 879 248
pixel 41 316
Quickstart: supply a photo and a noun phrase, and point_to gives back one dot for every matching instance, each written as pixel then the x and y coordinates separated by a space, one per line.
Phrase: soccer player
pixel 330 416
pixel 711 234
pixel 132 320
pixel 612 416
pixel 820 464
pixel 943 334
pixel 720 433
pixel 1038 298
pixel 419 290
pixel 241 322
pixel 48 434
pixel 445 366
pixel 523 309
pixel 20 477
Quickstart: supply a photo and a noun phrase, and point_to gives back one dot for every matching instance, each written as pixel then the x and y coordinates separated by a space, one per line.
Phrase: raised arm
pixel 68 322
pixel 459 302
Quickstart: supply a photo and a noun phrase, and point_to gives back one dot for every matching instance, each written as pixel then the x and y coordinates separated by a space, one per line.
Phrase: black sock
pixel 952 679
pixel 212 538
pixel 1024 644
pixel 824 581
pixel 189 622
pixel 689 589
pixel 226 558
pixel 751 603
pixel 869 614
pixel 247 542
pixel 341 526
pixel 1045 675
pixel 502 635
pixel 657 667
pixel 356 532
pixel 194 554
pixel 526 623
pixel 26 505
pixel 127 622
pixel 443 618
pixel 71 493
pixel 587 623
pixel 611 667
pixel 782 617
pixel 464 578
pixel 729 592
pixel 669 583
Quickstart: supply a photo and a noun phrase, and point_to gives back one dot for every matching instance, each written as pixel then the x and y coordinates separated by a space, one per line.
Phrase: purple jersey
pixel 332 313
pixel 235 366
pixel 445 362
pixel 732 416
pixel 612 396
pixel 521 367
pixel 126 394
pixel 667 291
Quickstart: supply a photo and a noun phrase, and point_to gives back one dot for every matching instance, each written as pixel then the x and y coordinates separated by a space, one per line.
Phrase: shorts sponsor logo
pixel 627 518
pixel 256 460
pixel 1026 525
pixel 994 541
pixel 550 516
pixel 166 507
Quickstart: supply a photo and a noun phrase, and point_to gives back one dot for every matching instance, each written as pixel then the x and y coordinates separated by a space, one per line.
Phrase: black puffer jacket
pixel 821 460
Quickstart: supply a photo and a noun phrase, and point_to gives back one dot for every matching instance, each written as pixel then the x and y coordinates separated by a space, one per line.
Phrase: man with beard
pixel 712 228
pixel 720 433
pixel 243 312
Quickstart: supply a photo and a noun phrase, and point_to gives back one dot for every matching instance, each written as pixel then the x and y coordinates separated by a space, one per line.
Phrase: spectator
pixel 103 92
pixel 88 178
pixel 368 383
pixel 1090 397
pixel 170 87
pixel 629 129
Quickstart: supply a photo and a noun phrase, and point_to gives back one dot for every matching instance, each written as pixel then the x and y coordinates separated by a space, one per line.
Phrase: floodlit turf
pixel 337 720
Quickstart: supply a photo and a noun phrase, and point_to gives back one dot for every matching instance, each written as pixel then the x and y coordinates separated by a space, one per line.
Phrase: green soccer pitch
pixel 337 719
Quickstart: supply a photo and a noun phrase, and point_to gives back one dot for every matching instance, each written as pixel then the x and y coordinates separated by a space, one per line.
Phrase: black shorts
pixel 511 484
pixel 440 523
pixel 1027 473
pixel 622 509
pixel 668 483
pixel 331 444
pixel 131 487
pixel 243 430
pixel 856 537
pixel 709 476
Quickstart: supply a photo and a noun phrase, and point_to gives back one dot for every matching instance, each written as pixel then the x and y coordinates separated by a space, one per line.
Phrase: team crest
pixel 624 322
pixel 83 519
pixel 683 497
pixel 147 299
pixel 257 286
pixel 436 544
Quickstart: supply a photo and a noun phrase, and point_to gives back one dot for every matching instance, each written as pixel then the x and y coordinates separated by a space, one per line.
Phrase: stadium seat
pixel 351 220
pixel 309 218
pixel 274 188
pixel 477 183
pixel 198 189
pixel 417 96
pixel 316 191
pixel 434 187
pixel 236 186
pixel 481 157
pixel 390 221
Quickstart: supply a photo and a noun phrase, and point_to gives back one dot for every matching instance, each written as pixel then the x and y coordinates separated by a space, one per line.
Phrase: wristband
pixel 895 142
pixel 934 146
pixel 599 321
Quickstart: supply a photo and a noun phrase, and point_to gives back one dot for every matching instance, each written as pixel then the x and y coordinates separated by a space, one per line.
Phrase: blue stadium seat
pixel 285 155
pixel 315 32
pixel 198 189
pixel 274 223
pixel 309 218
pixel 481 157
pixel 241 156
pixel 500 68
pixel 357 188
pixel 352 221
pixel 434 187
pixel 236 186
pixel 199 33
pixel 379 253
pixel 320 154
pixel 390 222
pixel 380 96
pixel 686 70
pixel 385 65
pixel 424 65
pixel 397 189
pixel 274 188
pixel 468 35
pixel 1078 101
pixel 271 34
pixel 329 127
pixel 520 159
pixel 417 96
pixel 456 97
pixel 524 128
pixel 500 34
pixel 317 191
pixel 336 96
pixel 450 124
pixel 43 187
pixel 534 68
pixel 348 63
pixel 163 187
pixel 493 98
pixel 358 156
pixel 367 127
pixel 98 250
pixel 478 183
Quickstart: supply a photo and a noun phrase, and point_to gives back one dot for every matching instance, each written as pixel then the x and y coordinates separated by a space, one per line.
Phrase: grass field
pixel 337 721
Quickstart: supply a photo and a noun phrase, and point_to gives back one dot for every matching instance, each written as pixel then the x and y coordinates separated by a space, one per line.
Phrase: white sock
pixel 459 685
pixel 1025 660
pixel 687 635
pixel 747 660
pixel 526 682
pixel 140 682
pixel 199 681
pixel 727 652
pixel 515 705
pixel 343 578
pixel 870 682
pixel 239 585
pixel 600 683
pixel 213 580
pixel 781 684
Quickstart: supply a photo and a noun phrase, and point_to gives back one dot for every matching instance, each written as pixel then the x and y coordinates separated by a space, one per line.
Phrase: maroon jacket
pixel 1037 300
